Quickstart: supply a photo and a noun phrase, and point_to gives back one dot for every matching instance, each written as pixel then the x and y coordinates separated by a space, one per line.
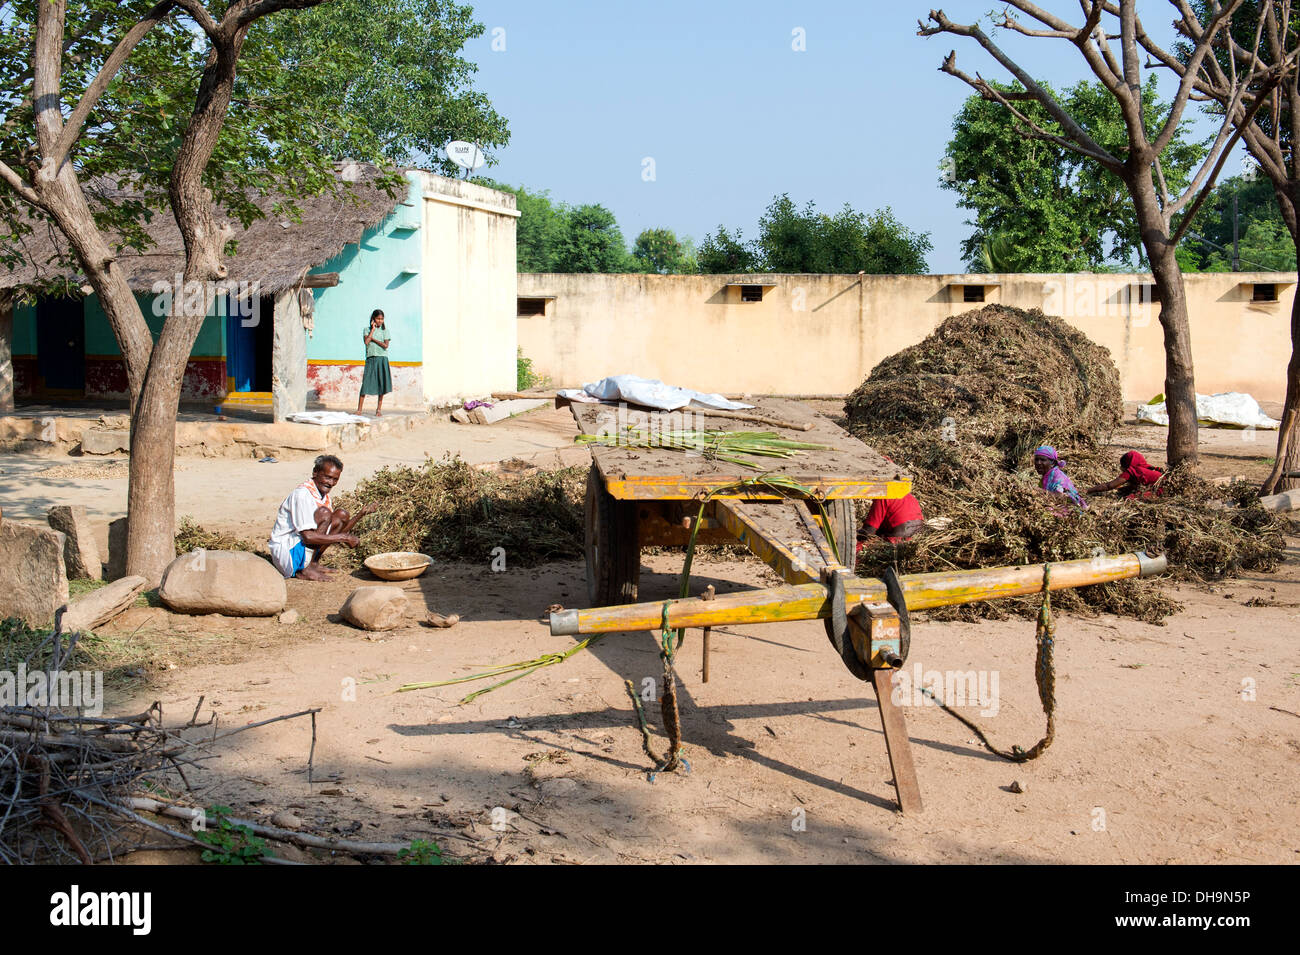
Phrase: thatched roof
pixel 274 251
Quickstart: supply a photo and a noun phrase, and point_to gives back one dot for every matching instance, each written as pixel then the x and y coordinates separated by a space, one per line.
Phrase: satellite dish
pixel 465 155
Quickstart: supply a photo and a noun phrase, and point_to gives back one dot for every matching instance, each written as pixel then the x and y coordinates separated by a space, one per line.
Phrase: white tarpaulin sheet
pixel 1229 409
pixel 326 417
pixel 649 392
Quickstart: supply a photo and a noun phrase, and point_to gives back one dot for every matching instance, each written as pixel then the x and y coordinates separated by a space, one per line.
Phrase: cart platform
pixel 850 470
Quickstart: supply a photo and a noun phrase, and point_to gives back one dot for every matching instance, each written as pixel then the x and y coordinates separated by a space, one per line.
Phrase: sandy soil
pixel 1159 755
pixel 1174 743
pixel 241 495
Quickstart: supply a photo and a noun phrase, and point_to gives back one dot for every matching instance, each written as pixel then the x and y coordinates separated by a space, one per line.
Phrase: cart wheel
pixel 843 519
pixel 613 549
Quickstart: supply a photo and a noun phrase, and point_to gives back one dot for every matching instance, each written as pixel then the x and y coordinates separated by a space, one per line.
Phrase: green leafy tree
pixel 556 237
pixel 1049 208
pixel 722 253
pixel 793 240
pixel 805 240
pixel 660 251
pixel 394 69
pixel 189 105
pixel 1264 246
pixel 538 228
pixel 1208 246
pixel 590 241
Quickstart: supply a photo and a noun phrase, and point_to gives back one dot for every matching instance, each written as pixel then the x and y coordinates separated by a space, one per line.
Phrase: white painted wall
pixel 468 283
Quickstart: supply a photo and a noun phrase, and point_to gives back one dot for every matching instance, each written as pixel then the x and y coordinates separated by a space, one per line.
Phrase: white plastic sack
pixel 648 392
pixel 326 417
pixel 1228 409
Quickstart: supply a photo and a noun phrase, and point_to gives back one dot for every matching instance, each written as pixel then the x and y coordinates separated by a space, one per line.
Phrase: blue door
pixel 241 352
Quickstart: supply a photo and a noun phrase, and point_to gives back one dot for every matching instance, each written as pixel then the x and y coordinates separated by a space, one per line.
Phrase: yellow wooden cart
pixel 640 496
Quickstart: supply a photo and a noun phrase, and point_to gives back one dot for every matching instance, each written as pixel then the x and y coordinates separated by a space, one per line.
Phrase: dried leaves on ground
pixel 452 511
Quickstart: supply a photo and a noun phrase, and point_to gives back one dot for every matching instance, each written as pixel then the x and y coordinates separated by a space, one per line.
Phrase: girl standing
pixel 377 379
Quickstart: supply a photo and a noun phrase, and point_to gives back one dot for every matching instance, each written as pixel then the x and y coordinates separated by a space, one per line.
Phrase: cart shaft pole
pixel 810 601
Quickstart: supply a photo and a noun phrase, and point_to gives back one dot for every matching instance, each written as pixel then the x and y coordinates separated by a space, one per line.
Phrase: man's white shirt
pixel 297 513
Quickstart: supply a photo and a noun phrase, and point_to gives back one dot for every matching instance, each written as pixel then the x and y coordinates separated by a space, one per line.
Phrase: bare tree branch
pixel 1074 131
pixel 1247 121
pixel 200 15
pixel 1192 68
pixel 16 183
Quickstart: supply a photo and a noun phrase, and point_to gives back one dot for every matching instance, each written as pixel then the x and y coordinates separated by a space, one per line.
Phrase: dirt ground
pixel 1174 743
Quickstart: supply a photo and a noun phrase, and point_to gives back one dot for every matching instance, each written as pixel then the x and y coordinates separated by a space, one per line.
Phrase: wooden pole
pixel 809 601
pixel 899 747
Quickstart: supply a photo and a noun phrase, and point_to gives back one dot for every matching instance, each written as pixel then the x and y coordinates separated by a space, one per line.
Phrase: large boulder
pixel 374 607
pixel 234 583
pixel 80 552
pixel 33 582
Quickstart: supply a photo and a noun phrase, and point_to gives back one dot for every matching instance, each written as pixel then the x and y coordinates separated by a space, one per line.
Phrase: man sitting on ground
pixel 307 519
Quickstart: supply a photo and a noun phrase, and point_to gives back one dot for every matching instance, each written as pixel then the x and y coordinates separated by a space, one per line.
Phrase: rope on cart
pixel 1045 675
pixel 671 640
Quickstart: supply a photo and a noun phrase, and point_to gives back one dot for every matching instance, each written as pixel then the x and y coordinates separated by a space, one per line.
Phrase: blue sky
pixel 732 115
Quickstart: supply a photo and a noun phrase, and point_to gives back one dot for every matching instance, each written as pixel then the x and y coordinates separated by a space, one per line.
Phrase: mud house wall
pixel 822 334
pixel 469 282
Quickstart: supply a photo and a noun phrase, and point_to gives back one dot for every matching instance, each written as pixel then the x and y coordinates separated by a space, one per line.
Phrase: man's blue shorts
pixel 299 556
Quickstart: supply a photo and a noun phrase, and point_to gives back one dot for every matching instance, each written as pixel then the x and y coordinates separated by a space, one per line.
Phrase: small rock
pixel 286 820
pixel 33 579
pixel 103 441
pixel 290 616
pixel 99 606
pixel 374 607
pixel 1017 786
pixel 442 622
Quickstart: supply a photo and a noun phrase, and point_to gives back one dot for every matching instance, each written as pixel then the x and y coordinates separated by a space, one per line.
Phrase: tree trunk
pixel 1180 384
pixel 1287 457
pixel 1288 435
pixel 151 529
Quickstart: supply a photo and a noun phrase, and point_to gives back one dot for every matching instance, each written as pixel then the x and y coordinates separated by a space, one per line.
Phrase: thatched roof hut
pixel 274 252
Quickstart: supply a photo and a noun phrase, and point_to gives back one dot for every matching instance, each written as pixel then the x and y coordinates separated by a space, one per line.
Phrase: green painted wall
pixel 24 330
pixel 101 341
pixel 99 333
pixel 371 277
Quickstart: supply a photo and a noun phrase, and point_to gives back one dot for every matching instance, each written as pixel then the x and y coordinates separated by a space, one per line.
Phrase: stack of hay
pixel 963 411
